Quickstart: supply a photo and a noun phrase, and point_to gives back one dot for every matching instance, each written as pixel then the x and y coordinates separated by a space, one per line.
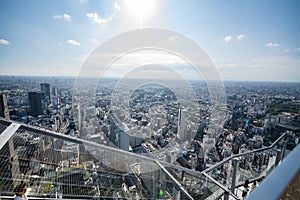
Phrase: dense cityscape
pixel 154 123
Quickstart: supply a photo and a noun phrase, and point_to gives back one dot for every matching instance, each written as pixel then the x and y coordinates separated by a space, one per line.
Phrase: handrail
pixel 245 153
pixel 97 145
pixel 204 173
pixel 216 182
pixel 111 149
pixel 274 185
pixel 180 187
pixel 225 189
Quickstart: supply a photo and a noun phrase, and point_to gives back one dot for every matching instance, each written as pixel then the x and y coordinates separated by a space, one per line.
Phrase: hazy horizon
pixel 117 78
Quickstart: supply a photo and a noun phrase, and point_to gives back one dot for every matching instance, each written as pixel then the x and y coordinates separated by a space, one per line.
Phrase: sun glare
pixel 140 8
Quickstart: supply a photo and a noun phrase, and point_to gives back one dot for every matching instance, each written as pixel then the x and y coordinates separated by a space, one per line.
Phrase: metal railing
pixel 275 185
pixel 65 167
pixel 251 165
pixel 60 154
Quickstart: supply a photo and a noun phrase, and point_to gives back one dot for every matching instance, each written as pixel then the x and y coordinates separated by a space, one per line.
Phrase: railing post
pixel 226 195
pixel 283 149
pixel 235 168
pixel 176 193
pixel 278 156
pixel 262 161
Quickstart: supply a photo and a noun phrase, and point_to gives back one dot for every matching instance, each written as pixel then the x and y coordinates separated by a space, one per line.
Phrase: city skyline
pixel 249 40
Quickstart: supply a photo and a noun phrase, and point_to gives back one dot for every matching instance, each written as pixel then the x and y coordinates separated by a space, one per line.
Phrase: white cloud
pixel 65 17
pixel 117 7
pixel 96 19
pixel 4 42
pixel 271 44
pixel 82 1
pixel 287 50
pixel 73 42
pixel 57 16
pixel 240 37
pixel 228 38
pixel 297 49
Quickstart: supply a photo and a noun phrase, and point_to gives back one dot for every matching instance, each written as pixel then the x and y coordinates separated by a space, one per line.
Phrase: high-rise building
pixel 54 91
pixel 182 125
pixel 121 135
pixel 45 88
pixel 4 112
pixel 36 103
pixel 239 114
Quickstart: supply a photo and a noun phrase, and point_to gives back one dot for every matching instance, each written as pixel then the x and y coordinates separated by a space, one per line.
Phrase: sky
pixel 249 40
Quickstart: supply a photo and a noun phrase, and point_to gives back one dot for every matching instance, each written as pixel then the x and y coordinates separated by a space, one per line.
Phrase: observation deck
pixel 56 165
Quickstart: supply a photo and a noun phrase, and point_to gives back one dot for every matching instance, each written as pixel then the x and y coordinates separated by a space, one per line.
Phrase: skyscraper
pixel 36 103
pixel 182 124
pixel 4 112
pixel 45 88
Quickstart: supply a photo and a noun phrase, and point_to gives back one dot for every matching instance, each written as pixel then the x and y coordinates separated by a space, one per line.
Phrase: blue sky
pixel 246 40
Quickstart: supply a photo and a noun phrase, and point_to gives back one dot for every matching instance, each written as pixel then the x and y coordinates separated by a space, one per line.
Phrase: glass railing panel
pixel 56 165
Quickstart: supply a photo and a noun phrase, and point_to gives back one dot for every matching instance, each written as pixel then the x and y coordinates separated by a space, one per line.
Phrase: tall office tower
pixel 45 88
pixel 4 112
pixel 36 103
pixel 54 97
pixel 54 91
pixel 182 125
pixel 239 114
